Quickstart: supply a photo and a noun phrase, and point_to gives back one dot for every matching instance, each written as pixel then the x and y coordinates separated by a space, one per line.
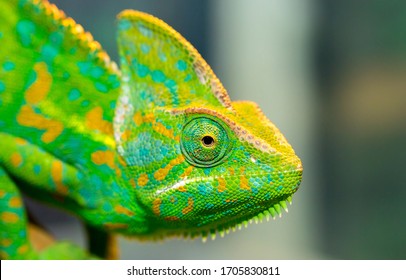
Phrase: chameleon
pixel 152 149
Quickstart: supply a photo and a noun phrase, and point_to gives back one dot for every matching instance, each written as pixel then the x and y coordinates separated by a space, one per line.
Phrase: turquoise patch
pixel 124 24
pixel 74 94
pixel 37 169
pixel 85 103
pixel 25 29
pixel 113 104
pixel 8 66
pixel 96 72
pixel 181 65
pixel 158 76
pixel 142 70
pixel 48 53
pixel 101 87
pixel 187 78
pixel 2 87
pixel 145 48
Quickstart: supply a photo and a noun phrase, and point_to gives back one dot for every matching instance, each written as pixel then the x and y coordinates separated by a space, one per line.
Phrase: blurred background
pixel 332 76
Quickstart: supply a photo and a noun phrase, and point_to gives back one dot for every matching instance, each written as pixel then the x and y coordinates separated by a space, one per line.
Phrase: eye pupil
pixel 208 141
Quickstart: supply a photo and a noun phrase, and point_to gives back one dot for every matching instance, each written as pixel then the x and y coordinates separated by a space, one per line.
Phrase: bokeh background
pixel 332 76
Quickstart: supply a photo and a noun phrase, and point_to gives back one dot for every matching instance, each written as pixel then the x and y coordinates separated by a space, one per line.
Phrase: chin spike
pixel 284 205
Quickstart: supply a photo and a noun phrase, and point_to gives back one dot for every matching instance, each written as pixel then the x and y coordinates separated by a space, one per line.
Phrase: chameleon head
pixel 203 170
pixel 198 162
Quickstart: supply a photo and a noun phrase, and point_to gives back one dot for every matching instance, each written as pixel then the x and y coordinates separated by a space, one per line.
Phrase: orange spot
pixel 187 172
pixel 21 141
pixel 244 183
pixel 42 85
pixel 161 173
pixel 14 202
pixel 6 242
pixel 2 193
pixel 171 218
pixel 9 217
pixel 161 129
pixel 56 174
pixel 16 159
pixel 94 120
pixel 231 171
pixel 103 157
pixel 181 189
pixel 138 118
pixel 23 249
pixel 222 184
pixel 155 206
pixel 113 226
pixel 142 180
pixel 189 206
pixel 27 117
pixel 122 210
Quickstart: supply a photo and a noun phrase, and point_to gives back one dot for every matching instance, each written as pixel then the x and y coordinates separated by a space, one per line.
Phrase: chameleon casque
pixel 152 150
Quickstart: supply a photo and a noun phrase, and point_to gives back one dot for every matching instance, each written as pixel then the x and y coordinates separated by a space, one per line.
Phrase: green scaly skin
pixel 156 149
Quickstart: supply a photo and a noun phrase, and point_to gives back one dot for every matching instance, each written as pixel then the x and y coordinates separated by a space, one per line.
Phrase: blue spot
pixel 2 87
pixel 144 30
pixel 48 53
pixel 84 67
pixel 181 65
pixel 56 38
pixel 171 85
pixel 25 30
pixel 96 72
pixel 101 87
pixel 37 169
pixel 145 48
pixel 85 103
pixel 279 188
pixel 187 78
pixel 65 75
pixel 113 104
pixel 207 171
pixel 74 94
pixel 124 24
pixel 107 207
pixel 142 70
pixel 162 56
pixel 114 81
pixel 158 76
pixel 8 66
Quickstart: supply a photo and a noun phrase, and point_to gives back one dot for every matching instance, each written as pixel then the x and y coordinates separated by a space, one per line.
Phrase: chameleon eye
pixel 205 142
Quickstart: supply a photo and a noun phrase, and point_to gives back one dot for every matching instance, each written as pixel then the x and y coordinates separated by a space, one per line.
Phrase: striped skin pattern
pixel 152 150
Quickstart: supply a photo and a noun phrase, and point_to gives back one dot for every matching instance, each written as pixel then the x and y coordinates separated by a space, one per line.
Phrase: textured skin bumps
pixel 154 150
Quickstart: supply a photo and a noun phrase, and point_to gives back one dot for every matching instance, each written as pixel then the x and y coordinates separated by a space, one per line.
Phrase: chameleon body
pixel 152 150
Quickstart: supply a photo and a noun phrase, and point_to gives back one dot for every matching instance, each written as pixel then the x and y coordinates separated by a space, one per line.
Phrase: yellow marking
pixel 9 217
pixel 56 174
pixel 155 206
pixel 21 141
pixel 14 202
pixel 114 226
pixel 161 173
pixel 94 120
pixel 23 249
pixel 6 242
pixel 42 85
pixel 189 206
pixel 222 184
pixel 126 135
pixel 142 180
pixel 161 129
pixel 16 159
pixel 138 118
pixel 244 183
pixel 122 210
pixel 231 171
pixel 27 117
pixel 187 172
pixel 181 189
pixel 103 157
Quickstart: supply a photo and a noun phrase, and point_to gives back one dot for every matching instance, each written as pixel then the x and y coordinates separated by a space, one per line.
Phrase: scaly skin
pixel 155 150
